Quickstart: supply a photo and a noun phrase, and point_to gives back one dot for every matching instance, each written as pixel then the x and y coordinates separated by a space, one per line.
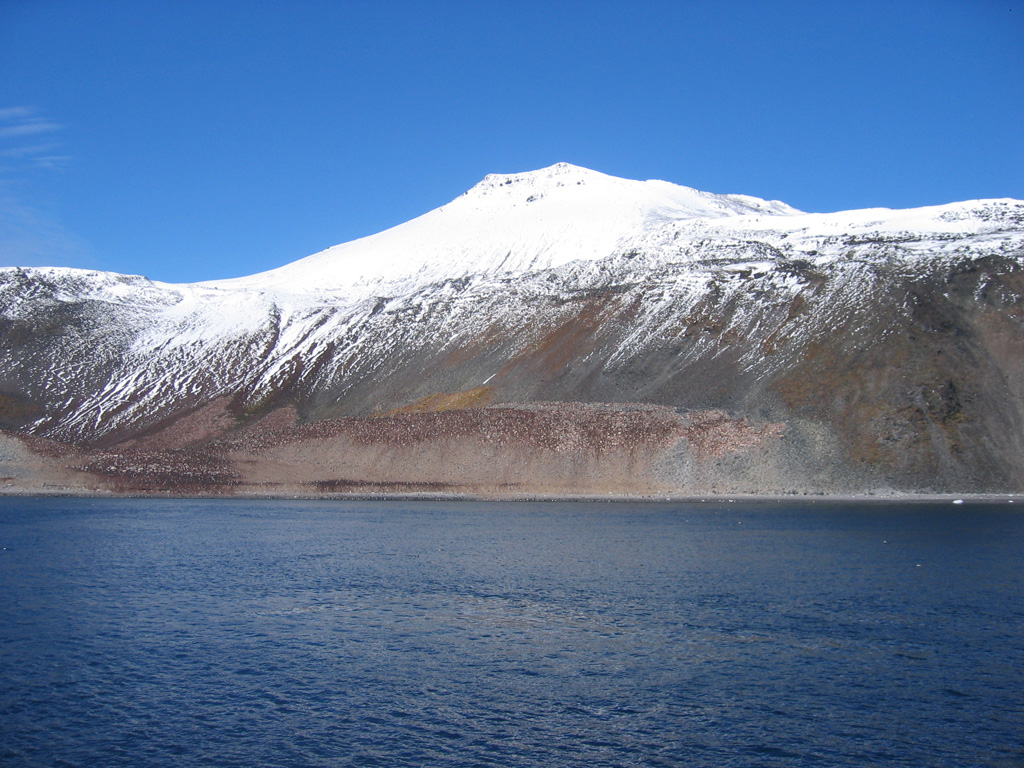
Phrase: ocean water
pixel 241 633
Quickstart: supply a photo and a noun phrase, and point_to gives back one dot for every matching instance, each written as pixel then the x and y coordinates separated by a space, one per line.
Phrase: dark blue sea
pixel 239 633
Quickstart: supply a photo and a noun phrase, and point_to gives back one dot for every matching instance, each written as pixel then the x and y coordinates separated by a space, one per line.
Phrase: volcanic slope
pixel 559 331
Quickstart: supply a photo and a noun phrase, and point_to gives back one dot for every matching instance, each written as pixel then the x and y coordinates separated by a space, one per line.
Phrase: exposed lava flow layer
pixel 560 331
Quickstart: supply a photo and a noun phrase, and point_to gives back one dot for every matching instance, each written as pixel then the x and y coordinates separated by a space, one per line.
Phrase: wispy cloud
pixel 30 150
pixel 28 128
pixel 21 129
pixel 16 113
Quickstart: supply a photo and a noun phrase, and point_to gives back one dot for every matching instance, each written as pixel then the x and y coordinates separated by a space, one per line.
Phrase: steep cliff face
pixel 558 331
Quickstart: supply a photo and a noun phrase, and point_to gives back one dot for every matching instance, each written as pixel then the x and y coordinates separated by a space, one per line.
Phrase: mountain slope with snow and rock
pixel 560 331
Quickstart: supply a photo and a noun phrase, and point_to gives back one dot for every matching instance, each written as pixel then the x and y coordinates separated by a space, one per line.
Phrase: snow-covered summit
pixel 565 181
pixel 509 223
pixel 521 223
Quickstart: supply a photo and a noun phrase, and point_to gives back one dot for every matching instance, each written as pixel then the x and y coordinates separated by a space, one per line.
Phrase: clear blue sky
pixel 197 140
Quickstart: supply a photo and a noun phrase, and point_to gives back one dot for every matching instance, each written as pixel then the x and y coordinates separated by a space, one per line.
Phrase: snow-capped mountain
pixel 507 224
pixel 845 351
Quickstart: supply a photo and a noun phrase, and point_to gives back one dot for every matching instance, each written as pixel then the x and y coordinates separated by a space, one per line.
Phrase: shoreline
pixel 668 498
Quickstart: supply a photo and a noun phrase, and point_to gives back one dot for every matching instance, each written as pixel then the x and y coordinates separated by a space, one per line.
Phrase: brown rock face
pixel 515 449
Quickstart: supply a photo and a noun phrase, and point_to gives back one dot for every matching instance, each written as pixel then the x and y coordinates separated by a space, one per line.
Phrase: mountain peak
pixel 559 173
pixel 512 223
pixel 540 181
pixel 562 178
